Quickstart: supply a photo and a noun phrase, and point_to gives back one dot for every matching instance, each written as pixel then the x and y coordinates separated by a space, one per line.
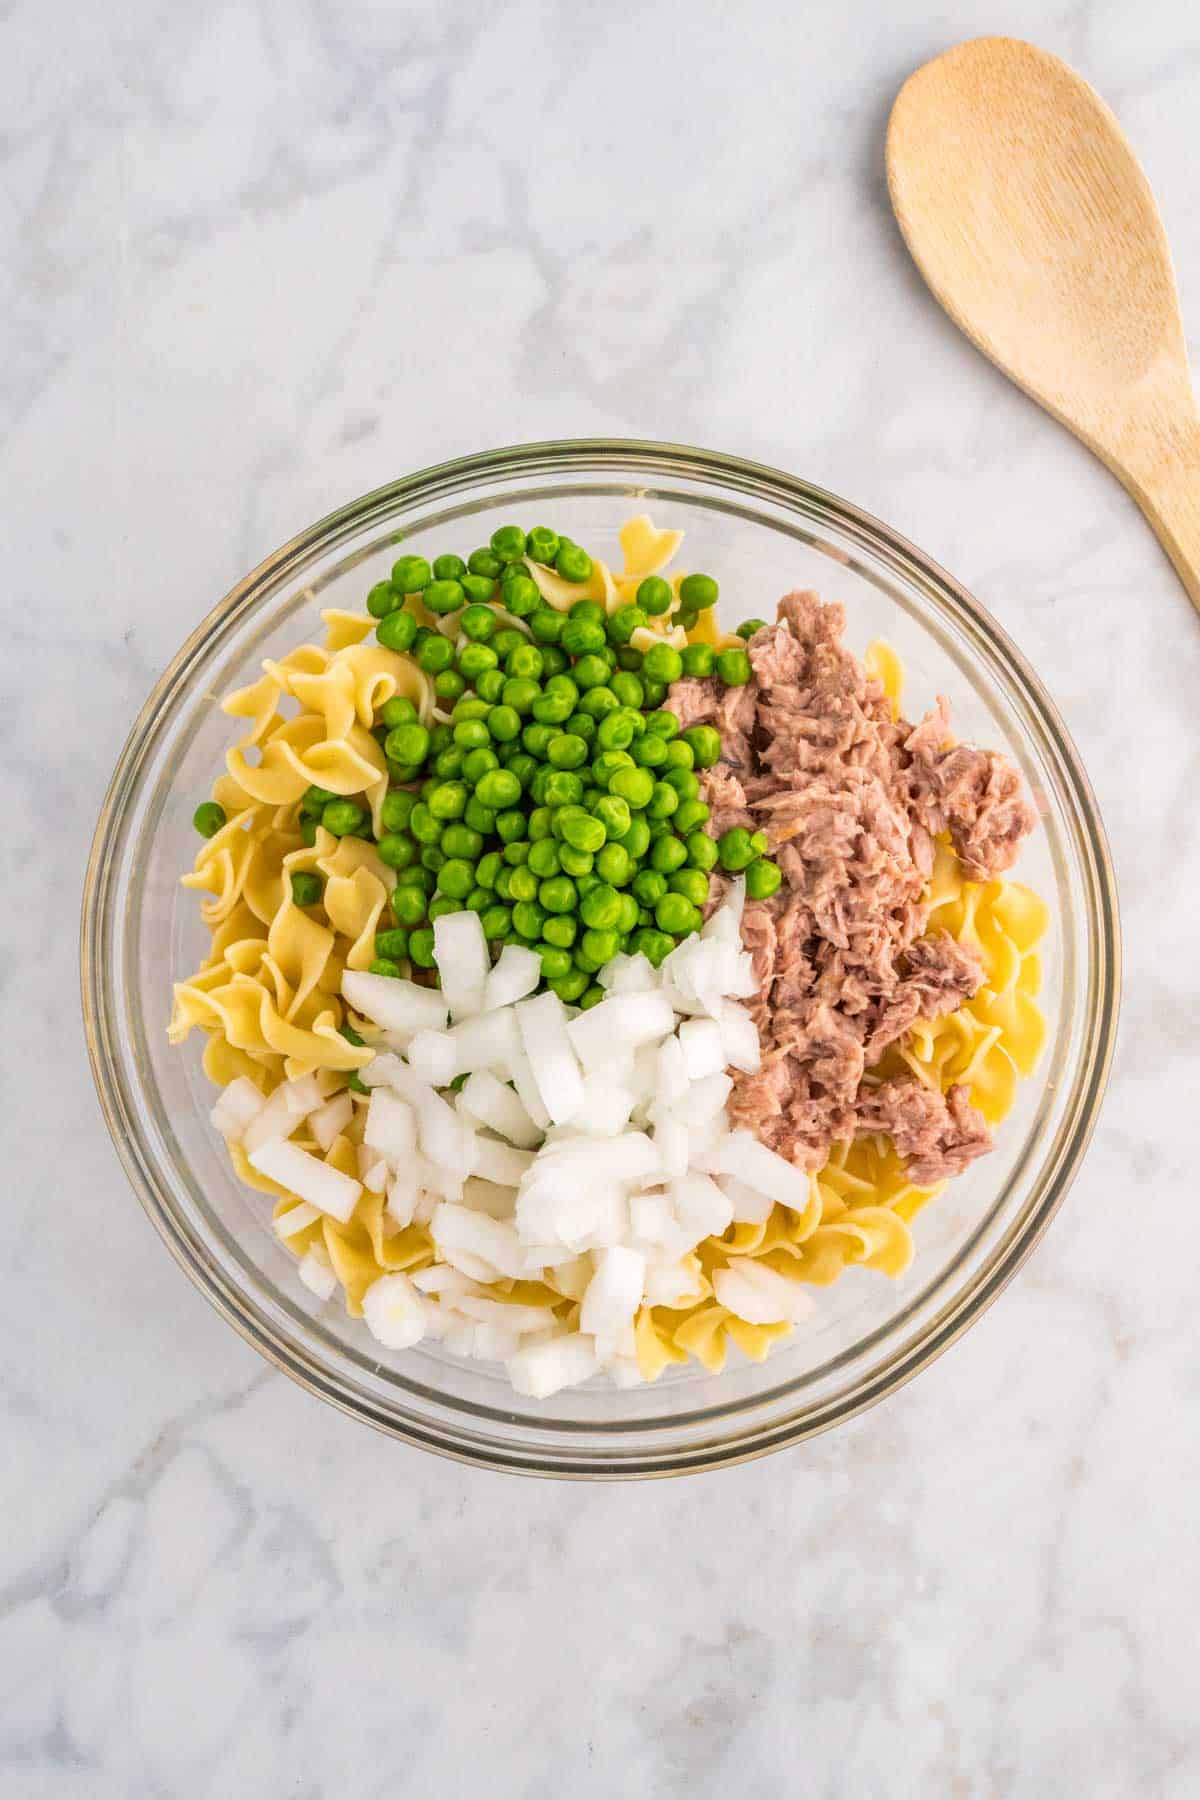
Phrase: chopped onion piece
pixel 308 1178
pixel 317 1276
pixel 488 1041
pixel 496 1106
pixel 395 1004
pixel 372 1169
pixel 433 1055
pixel 742 1155
pixel 330 1120
pixel 291 1102
pixel 703 1048
pixel 391 1127
pixel 760 1295
pixel 749 1207
pixel 239 1104
pixel 544 1037
pixel 614 1292
pixel 516 974
pixel 739 1034
pixel 393 1308
pixel 540 1370
pixel 297 1218
pixel 492 1240
pixel 622 1022
pixel 500 1163
pixel 510 1317
pixel 461 953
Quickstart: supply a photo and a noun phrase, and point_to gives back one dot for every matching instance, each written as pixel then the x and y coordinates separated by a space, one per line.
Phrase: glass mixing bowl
pixel 762 533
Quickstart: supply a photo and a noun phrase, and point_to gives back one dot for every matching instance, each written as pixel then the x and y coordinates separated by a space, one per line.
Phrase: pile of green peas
pixel 560 800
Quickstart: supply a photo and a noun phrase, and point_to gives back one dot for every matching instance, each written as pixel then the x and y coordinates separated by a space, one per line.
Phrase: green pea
pixel 662 663
pixel 498 789
pixel 420 879
pixel 677 915
pixel 600 945
pixel 456 878
pixel 662 724
pixel 420 949
pixel 209 817
pixel 511 826
pixel 574 862
pixel 684 782
pixel 580 830
pixel 504 883
pixel 654 596
pixel 489 686
pixel 560 787
pixel 592 996
pixel 503 723
pixel 598 702
pixel 442 904
pixel 704 743
pixel 650 751
pixel 436 653
pixel 444 596
pixel 440 738
pixel 478 623
pixel 592 671
pixel 655 946
pixel 397 631
pixel 528 919
pixel 557 894
pixel 460 840
pixel 479 818
pixel 759 842
pixel 691 883
pixel 543 858
pixel 615 730
pixel 748 627
pixel 614 814
pixel 424 827
pixel 606 764
pixel 396 850
pixel 687 618
pixel 566 751
pixel 472 734
pixel 733 666
pixel 408 903
pixel 382 599
pixel 343 818
pixel 410 574
pixel 656 691
pixel 475 660
pixel 433 858
pixel 635 786
pixel 556 963
pixel 690 814
pixel 542 545
pixel 484 562
pixel 516 852
pixel 524 883
pixel 475 764
pixel 630 915
pixel 537 737
pixel 546 625
pixel 698 659
pixel 522 766
pixel 625 621
pixel 668 854
pixel 629 692
pixel 397 810
pixel 580 637
pixel 649 886
pixel 762 879
pixel 520 692
pixel 506 641
pixel 478 900
pixel 496 922
pixel 478 589
pixel 449 800
pixel 701 850
pixel 308 832
pixel 383 965
pixel 470 707
pixel 680 758
pixel 554 709
pixel 582 725
pixel 448 568
pixel 571 987
pixel 316 799
pixel 392 943
pixel 572 563
pixel 735 850
pixel 698 592
pixel 614 865
pixel 560 931
pixel 637 839
pixel 449 684
pixel 600 907
pixel 307 888
pixel 508 543
pixel 519 596
pixel 629 659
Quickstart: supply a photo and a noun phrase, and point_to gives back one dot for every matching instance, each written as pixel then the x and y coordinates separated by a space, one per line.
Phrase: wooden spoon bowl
pixel 1026 211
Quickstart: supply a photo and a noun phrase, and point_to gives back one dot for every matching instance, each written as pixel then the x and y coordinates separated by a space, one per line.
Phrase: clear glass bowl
pixel 761 532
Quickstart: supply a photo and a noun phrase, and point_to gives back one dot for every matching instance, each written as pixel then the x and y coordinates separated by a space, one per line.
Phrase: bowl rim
pixel 650 458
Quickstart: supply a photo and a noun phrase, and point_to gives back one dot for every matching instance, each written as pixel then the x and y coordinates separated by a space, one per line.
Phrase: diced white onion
pixel 622 1022
pixel 742 1154
pixel 703 1048
pixel 760 1295
pixel 496 1106
pixel 317 1276
pixel 540 1370
pixel 491 1240
pixel 461 954
pixel 433 1055
pixel 501 1163
pixel 391 1127
pixel 296 1218
pixel 516 974
pixel 395 1310
pixel 330 1120
pixel 544 1037
pixel 489 1041
pixel 395 1004
pixel 614 1292
pixel 239 1104
pixel 308 1178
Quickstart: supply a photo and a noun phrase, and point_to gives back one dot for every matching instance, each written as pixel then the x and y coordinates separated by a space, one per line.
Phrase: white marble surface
pixel 256 259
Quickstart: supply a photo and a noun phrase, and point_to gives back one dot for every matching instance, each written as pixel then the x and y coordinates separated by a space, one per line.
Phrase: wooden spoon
pixel 1025 210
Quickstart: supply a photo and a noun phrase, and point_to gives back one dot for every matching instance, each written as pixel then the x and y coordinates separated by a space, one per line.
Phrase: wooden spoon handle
pixel 1163 475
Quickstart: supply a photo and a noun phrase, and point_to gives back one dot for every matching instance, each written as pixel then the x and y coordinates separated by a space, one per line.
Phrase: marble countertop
pixel 256 260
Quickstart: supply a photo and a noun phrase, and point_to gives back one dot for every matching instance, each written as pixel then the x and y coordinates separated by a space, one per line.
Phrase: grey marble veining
pixel 257 258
